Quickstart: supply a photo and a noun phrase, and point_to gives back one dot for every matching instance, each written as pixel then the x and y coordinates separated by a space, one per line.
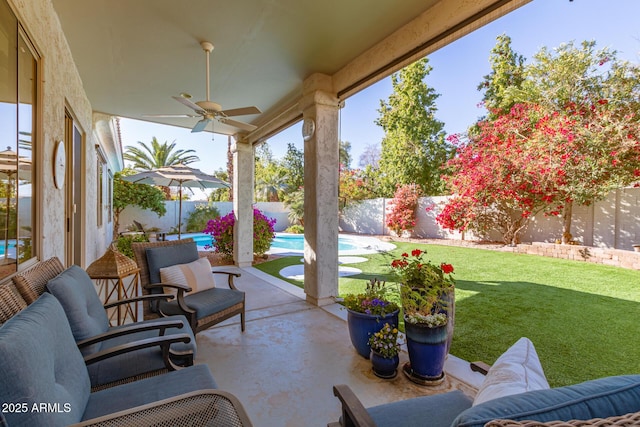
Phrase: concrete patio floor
pixel 283 367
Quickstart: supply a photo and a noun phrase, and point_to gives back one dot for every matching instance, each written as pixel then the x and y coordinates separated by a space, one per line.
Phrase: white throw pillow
pixel 196 274
pixel 517 370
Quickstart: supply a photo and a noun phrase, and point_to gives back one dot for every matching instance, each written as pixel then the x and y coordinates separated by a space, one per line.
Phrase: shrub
pixel 402 216
pixel 198 218
pixel 295 229
pixel 221 229
pixel 123 243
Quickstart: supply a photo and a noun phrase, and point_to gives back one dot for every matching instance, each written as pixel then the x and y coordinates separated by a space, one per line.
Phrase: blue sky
pixel 457 70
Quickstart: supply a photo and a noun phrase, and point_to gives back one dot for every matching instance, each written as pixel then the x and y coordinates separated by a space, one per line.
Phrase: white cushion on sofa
pixel 517 370
pixel 196 274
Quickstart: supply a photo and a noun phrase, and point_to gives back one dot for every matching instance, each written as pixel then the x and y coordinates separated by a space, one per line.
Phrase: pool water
pixel 282 241
pixel 201 239
pixel 296 242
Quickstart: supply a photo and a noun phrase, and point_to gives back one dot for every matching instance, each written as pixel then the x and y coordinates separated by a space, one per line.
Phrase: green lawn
pixel 583 318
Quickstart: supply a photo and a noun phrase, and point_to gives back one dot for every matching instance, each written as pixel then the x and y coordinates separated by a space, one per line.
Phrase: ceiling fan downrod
pixel 208 48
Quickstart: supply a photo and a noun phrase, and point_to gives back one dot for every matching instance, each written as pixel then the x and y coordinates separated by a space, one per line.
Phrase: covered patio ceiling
pixel 134 55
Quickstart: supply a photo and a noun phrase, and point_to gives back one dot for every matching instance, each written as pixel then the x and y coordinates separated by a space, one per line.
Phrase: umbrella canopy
pixel 177 176
pixel 9 166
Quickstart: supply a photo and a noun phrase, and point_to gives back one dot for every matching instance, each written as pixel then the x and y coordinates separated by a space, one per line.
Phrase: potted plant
pixel 428 302
pixel 368 310
pixel 384 351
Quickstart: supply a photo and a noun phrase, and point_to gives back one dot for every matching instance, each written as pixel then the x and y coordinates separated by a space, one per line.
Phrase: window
pixel 18 117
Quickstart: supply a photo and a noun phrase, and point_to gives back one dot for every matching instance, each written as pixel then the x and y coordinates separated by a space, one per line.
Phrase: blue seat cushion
pixel 206 302
pixel 133 363
pixel 77 295
pixel 40 363
pixel 601 398
pixel 149 390
pixel 166 256
pixel 176 347
pixel 438 410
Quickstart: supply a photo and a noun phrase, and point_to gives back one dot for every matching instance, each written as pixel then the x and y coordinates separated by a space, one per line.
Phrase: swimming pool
pixel 293 244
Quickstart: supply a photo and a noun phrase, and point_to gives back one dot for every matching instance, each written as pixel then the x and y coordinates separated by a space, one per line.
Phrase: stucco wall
pixel 612 223
pixel 61 89
pixel 170 220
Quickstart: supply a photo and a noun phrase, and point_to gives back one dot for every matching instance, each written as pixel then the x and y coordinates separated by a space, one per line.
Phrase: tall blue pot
pixel 362 326
pixel 427 349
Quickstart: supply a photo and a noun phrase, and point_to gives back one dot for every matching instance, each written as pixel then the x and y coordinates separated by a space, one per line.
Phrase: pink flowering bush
pixel 221 230
pixel 402 216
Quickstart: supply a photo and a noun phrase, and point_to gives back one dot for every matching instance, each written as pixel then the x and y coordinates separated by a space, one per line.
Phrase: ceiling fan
pixel 209 110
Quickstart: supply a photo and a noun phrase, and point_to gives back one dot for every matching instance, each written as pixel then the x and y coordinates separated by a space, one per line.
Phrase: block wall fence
pixel 605 232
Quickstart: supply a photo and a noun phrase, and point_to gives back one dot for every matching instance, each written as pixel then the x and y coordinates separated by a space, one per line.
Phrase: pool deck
pixel 283 367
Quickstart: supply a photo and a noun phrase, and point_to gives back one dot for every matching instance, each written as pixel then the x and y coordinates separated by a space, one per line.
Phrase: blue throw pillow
pixel 77 295
pixel 601 398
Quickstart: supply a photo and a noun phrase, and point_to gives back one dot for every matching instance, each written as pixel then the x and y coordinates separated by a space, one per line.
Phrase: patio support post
pixel 243 175
pixel 321 163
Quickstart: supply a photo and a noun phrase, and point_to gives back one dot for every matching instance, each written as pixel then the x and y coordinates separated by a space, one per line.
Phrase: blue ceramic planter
pixel 384 367
pixel 362 326
pixel 427 349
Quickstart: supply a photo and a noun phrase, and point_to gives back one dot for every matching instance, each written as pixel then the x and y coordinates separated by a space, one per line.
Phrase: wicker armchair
pixel 40 365
pixel 608 401
pixel 202 309
pixel 93 332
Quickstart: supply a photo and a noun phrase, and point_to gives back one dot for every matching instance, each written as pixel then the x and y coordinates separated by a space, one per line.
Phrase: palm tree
pixel 157 156
pixel 270 186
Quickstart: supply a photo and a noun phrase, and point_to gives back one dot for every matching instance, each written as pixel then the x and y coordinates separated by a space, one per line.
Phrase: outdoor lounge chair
pixel 203 309
pixel 515 389
pixel 44 382
pixel 91 329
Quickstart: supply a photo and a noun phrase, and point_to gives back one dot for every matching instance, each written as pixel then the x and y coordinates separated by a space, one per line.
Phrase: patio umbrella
pixel 177 176
pixel 11 169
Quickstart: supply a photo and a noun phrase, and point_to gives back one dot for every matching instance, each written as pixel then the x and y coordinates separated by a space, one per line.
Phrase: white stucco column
pixel 243 175
pixel 321 162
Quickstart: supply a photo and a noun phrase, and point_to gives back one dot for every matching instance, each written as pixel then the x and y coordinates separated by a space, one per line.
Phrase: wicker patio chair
pixel 41 364
pixel 202 309
pixel 93 333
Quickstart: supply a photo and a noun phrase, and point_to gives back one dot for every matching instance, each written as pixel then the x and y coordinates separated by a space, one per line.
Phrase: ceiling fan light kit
pixel 208 110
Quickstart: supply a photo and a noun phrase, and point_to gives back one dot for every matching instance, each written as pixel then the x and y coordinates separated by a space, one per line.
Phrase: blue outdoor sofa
pixel 515 392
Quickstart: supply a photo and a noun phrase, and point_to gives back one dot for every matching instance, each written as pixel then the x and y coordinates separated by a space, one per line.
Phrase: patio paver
pixel 284 365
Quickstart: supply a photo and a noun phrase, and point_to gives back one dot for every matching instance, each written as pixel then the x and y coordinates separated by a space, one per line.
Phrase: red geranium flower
pixel 447 268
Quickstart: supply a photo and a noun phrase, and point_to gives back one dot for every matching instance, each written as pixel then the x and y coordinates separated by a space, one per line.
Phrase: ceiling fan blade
pixel 201 125
pixel 237 124
pixel 170 115
pixel 244 111
pixel 194 107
